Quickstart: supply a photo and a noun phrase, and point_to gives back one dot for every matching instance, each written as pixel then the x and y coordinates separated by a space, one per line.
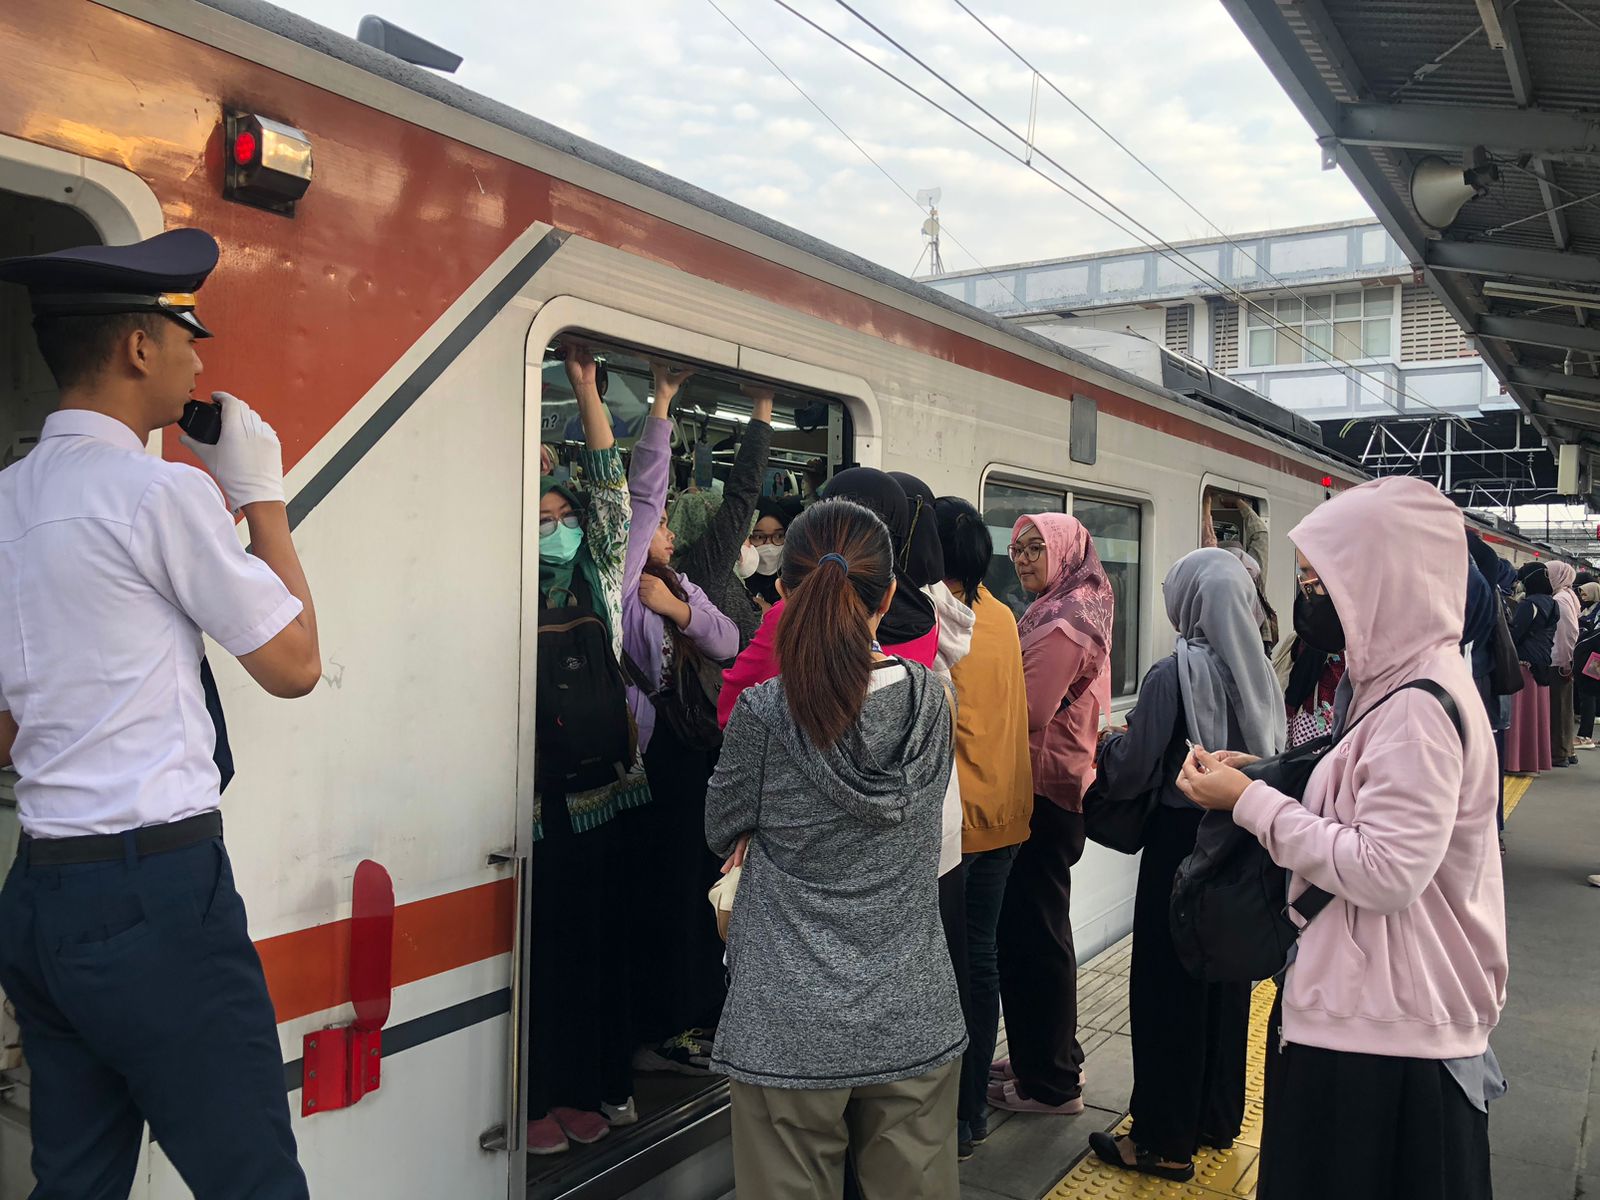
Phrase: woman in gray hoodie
pixel 842 1032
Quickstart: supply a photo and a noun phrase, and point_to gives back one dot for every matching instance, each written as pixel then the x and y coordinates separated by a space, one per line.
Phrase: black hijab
pixel 1535 579
pixel 910 614
pixel 1484 558
pixel 783 511
pixel 922 560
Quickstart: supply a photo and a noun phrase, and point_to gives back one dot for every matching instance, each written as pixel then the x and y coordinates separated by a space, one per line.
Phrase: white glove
pixel 247 461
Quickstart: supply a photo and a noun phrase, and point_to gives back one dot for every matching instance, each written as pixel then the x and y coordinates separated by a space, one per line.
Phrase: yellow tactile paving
pixel 1516 787
pixel 1218 1173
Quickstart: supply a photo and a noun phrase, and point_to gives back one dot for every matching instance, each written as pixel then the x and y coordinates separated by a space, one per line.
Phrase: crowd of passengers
pixel 819 697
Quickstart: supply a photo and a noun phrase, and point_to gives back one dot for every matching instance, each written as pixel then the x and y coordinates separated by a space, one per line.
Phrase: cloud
pixel 669 82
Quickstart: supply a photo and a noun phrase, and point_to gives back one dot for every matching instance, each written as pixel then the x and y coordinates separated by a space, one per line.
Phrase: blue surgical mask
pixel 561 545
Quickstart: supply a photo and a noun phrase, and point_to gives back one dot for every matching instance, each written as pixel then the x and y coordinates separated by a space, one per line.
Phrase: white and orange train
pixel 393 324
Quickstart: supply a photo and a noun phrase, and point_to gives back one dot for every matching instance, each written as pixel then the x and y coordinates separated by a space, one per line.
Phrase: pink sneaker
pixel 545 1137
pixel 585 1128
pixel 1004 1094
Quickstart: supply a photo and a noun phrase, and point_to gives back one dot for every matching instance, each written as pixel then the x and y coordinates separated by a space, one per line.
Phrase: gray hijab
pixel 1211 602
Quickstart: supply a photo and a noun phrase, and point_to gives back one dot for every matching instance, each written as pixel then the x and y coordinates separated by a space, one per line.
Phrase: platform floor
pixel 1543 1133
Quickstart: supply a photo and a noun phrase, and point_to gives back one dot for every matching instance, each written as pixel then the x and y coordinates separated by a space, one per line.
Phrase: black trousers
pixel 141 998
pixel 1189 1037
pixel 675 955
pixel 1038 964
pixel 1586 695
pixel 986 874
pixel 580 1040
pixel 1339 1125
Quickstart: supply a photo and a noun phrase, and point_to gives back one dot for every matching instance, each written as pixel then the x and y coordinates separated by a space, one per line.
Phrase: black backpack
pixel 687 702
pixel 1230 909
pixel 584 735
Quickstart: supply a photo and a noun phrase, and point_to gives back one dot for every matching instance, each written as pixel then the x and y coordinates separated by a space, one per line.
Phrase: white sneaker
pixel 1583 744
pixel 626 1113
pixel 1594 881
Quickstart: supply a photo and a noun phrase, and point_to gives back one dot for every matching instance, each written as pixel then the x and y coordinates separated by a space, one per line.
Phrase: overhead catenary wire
pixel 1039 75
pixel 1163 247
pixel 1166 248
pixel 884 171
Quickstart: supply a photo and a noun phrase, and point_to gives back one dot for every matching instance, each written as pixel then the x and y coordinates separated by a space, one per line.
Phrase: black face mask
pixel 1317 623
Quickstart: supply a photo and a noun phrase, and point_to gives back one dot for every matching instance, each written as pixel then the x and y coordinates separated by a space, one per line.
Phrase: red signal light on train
pixel 1327 481
pixel 267 163
pixel 244 148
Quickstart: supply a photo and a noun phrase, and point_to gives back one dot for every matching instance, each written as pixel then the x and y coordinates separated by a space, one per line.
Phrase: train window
pixel 1236 518
pixel 810 433
pixel 1117 530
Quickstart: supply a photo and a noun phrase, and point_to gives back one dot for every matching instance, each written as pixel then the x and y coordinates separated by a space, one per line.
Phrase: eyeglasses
pixel 547 525
pixel 767 539
pixel 1309 583
pixel 1028 554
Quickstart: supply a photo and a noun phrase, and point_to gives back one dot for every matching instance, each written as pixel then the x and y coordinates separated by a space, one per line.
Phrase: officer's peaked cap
pixel 160 274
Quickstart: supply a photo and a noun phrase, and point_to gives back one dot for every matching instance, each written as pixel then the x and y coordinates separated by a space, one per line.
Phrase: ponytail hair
pixel 838 565
pixel 968 545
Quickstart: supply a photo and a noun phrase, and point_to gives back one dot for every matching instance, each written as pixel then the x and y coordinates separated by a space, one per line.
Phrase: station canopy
pixel 1472 128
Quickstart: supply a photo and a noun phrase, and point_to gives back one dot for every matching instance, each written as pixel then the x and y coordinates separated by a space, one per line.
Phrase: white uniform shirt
pixel 112 562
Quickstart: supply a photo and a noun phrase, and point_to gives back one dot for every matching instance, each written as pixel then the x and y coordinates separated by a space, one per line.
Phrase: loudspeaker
pixel 1568 460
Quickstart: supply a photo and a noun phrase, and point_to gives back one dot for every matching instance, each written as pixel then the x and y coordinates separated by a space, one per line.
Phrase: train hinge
pixel 341 1066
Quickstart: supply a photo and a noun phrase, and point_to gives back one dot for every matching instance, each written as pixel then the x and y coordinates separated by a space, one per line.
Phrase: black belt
pixel 109 847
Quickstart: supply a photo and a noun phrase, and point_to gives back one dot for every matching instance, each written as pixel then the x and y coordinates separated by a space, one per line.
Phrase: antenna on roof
pixel 928 199
pixel 405 45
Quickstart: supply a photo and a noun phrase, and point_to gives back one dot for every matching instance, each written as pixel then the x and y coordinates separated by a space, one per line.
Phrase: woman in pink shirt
pixel 1066 648
pixel 1382 1029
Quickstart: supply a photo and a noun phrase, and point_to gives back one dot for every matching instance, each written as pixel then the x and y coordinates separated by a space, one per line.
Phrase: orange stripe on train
pixel 308 971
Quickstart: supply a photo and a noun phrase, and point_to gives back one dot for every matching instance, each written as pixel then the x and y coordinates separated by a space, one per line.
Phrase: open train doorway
pixel 28 225
pixel 734 456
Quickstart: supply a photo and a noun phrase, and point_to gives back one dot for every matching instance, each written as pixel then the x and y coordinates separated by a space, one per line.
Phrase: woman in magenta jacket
pixel 1382 1029
pixel 1066 649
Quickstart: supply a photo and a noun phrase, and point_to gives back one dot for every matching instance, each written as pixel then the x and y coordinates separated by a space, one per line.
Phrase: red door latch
pixel 344 1063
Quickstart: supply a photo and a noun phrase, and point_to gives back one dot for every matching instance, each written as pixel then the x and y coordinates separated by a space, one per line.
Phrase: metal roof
pixel 1387 83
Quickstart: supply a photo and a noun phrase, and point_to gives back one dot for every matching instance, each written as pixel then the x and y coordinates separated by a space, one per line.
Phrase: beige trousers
pixel 790 1143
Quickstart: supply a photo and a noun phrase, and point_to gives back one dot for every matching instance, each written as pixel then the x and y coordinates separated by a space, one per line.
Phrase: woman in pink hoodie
pixel 1382 1026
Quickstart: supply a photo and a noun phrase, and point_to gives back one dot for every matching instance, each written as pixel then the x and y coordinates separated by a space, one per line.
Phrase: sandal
pixel 1007 1095
pixel 1001 1070
pixel 1108 1150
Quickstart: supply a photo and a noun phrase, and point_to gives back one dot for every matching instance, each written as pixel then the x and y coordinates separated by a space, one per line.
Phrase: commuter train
pixel 394 318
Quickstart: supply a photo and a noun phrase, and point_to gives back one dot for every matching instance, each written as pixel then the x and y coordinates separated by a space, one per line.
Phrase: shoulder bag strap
pixel 1314 899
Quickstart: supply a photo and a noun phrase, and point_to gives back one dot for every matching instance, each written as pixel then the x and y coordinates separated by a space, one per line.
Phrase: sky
pixel 670 82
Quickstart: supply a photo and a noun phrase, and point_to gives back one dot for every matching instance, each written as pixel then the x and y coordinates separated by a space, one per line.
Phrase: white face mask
pixel 771 559
pixel 749 560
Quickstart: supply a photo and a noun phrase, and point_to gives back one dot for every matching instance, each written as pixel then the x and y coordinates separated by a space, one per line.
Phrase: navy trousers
pixel 141 999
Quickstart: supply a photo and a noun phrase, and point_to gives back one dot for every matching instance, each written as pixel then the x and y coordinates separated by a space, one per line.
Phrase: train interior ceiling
pixel 810 431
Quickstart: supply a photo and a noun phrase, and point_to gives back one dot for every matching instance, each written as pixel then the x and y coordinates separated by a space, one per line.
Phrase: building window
pixel 1319 327
pixel 1116 528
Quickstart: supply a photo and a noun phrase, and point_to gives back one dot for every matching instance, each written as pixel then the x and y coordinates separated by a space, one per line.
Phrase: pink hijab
pixel 1078 596
pixel 1561 575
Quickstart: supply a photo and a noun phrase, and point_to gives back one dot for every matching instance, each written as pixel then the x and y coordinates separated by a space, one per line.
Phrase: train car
pixel 395 319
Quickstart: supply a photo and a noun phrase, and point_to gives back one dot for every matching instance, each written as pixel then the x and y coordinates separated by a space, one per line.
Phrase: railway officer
pixel 123 942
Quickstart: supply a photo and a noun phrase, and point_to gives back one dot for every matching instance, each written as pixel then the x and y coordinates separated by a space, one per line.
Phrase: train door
pixel 643 856
pixel 46 203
